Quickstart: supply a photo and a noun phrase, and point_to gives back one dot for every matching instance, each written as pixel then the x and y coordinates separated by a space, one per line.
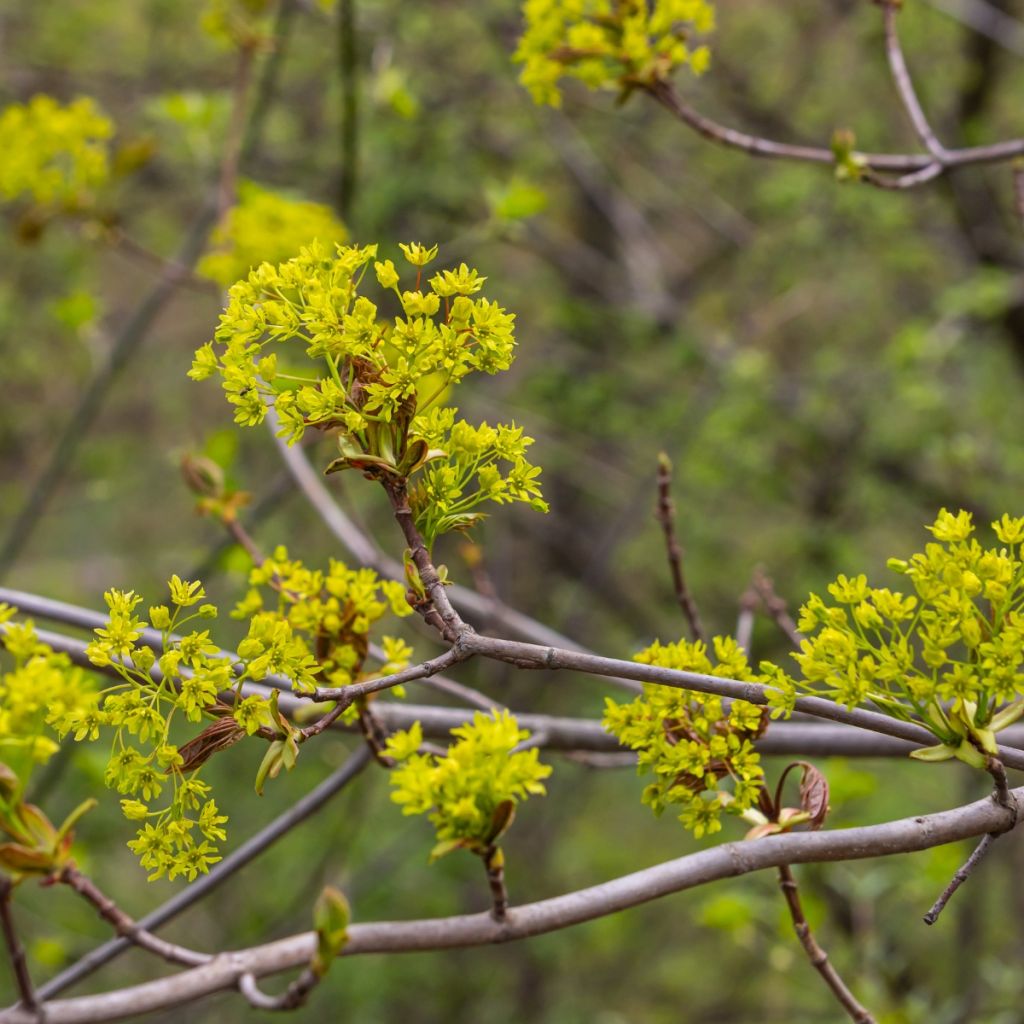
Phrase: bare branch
pixel 125 926
pixel 291 999
pixel 817 956
pixel 784 737
pixel 537 657
pixel 300 811
pixel 916 168
pixel 1001 796
pixel 345 695
pixel 904 85
pixel 729 860
pixel 962 874
pixel 666 517
pixel 775 606
pixel 15 950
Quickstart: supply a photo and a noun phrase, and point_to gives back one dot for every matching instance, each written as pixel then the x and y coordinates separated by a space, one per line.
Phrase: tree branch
pixel 125 926
pixel 884 737
pixel 666 517
pixel 904 85
pixel 729 860
pixel 817 956
pixel 15 950
pixel 916 168
pixel 300 811
pixel 533 656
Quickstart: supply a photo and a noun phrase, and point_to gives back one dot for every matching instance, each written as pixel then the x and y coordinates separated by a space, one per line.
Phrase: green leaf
pixel 501 819
pixel 940 752
pixel 331 916
pixel 445 847
pixel 74 817
pixel 270 766
pixel 1007 716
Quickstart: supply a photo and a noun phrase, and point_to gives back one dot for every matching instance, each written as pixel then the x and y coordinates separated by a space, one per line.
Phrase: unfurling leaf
pixel 814 794
pixel 813 797
pixel 501 819
pixel 219 735
pixel 331 917
pixel 940 752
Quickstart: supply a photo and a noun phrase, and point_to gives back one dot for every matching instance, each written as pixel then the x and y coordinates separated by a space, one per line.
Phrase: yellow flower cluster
pixel 617 44
pixel 378 382
pixel 949 657
pixel 315 632
pixel 265 226
pixel 54 155
pixel 471 792
pixel 692 742
pixel 39 688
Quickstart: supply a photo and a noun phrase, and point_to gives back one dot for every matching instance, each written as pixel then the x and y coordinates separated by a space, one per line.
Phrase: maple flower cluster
pixel 55 155
pixel 315 632
pixel 617 44
pixel 378 382
pixel 265 226
pixel 949 657
pixel 40 686
pixel 699 747
pixel 471 792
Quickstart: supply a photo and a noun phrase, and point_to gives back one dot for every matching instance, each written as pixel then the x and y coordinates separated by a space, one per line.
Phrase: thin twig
pixel 962 874
pixel 1004 798
pixel 124 925
pixel 494 864
pixel 817 956
pixel 347 694
pixel 904 85
pixel 666 517
pixel 775 606
pixel 15 950
pixel 728 860
pixel 303 808
pixel 348 70
pixel 901 163
pixel 804 738
pixel 294 996
pixel 227 187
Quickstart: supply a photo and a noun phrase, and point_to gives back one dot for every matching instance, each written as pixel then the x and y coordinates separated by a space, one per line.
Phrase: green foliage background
pixel 826 365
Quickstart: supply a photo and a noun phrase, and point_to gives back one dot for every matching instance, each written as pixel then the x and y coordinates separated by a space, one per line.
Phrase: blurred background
pixel 825 364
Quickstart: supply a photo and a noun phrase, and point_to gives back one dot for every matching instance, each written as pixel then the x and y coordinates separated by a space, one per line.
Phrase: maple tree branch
pixel 665 515
pixel 15 950
pixel 728 860
pixel 303 808
pixel 817 956
pixel 124 925
pixel 904 84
